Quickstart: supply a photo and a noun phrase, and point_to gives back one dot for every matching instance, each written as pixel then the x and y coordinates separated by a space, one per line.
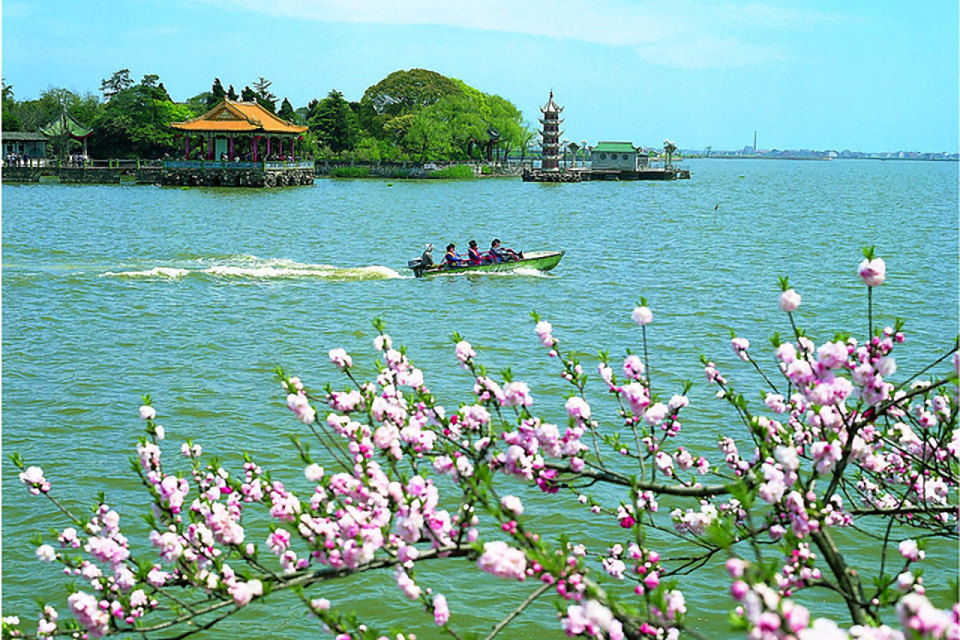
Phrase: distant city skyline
pixel 864 76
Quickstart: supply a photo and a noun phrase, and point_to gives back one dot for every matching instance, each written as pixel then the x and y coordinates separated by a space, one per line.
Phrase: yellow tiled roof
pixel 238 117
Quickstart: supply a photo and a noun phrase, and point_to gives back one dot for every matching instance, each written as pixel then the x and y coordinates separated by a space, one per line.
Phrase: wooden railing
pixel 272 165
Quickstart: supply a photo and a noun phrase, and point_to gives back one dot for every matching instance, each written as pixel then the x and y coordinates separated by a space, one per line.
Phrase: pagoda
pixel 550 170
pixel 550 135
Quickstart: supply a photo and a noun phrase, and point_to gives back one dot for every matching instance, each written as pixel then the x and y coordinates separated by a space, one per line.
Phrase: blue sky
pixel 875 75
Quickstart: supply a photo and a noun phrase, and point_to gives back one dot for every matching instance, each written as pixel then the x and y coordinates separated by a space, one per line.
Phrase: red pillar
pixel 186 146
pixel 256 146
pixel 268 148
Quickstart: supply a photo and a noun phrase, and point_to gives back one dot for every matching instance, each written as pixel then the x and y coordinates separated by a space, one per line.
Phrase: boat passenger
pixel 474 253
pixel 452 258
pixel 501 254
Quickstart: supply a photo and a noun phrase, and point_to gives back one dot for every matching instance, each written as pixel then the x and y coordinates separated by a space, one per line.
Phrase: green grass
pixel 350 172
pixel 457 172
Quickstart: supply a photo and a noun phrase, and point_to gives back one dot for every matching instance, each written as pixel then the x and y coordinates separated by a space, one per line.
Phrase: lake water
pixel 194 295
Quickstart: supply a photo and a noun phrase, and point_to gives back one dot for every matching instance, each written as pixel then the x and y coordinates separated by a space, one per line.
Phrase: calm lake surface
pixel 194 295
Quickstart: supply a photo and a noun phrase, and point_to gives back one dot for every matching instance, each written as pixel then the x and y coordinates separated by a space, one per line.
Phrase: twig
pixel 516 612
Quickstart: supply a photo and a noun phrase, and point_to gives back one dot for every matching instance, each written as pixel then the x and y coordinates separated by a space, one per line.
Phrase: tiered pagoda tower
pixel 550 134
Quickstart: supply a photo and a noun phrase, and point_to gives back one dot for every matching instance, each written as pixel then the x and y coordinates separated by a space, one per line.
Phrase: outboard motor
pixel 417 266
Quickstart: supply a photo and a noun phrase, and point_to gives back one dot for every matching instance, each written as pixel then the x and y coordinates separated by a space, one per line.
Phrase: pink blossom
pixel 512 504
pixel 45 553
pixel 278 541
pixel 655 413
pixel 651 580
pixel 633 367
pixel 406 584
pixel 441 612
pixel 789 300
pixel 33 478
pixel 873 272
pixel 86 610
pixel 825 455
pixel 243 592
pixel 313 472
pixel 465 353
pixel 917 614
pixel 910 551
pixel 147 412
pixel 503 561
pixel 642 316
pixel 382 342
pixel 544 331
pixel 740 346
pixel 517 394
pixel 340 358
pixel 578 408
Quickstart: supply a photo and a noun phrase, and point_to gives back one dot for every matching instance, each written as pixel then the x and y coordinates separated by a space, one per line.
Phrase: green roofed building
pixel 617 156
pixel 66 127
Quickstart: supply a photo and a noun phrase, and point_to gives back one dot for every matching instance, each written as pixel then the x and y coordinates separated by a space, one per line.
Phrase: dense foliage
pixel 416 115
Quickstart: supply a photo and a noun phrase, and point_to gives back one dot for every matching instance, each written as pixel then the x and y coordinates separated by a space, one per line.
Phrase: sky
pixel 864 75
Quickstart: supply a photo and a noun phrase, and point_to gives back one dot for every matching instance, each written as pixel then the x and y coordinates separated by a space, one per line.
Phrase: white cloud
pixel 679 33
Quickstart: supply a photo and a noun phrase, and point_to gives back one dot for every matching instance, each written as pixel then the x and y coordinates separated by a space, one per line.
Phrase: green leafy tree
pixel 399 94
pixel 232 93
pixel 262 94
pixel 11 120
pixel 136 123
pixel 334 123
pixel 247 95
pixel 287 111
pixel 116 83
pixel 216 93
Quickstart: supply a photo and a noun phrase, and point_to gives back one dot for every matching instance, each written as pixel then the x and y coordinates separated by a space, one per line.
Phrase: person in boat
pixel 452 258
pixel 501 254
pixel 426 258
pixel 474 253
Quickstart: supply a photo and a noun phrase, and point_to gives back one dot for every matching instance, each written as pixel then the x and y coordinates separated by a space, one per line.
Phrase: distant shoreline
pixel 695 157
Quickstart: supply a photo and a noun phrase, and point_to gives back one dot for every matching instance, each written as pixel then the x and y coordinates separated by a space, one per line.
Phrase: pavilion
pixel 66 127
pixel 240 129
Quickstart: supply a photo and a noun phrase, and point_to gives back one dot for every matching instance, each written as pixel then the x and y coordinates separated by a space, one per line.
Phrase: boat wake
pixel 253 268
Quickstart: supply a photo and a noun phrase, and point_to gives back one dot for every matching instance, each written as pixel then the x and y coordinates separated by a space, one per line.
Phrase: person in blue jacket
pixel 452 258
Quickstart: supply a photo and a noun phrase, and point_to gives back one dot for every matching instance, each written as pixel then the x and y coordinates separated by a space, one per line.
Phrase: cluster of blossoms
pixel 403 482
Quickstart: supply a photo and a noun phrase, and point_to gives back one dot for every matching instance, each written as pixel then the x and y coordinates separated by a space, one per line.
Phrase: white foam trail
pixel 156 272
pixel 251 267
pixel 295 270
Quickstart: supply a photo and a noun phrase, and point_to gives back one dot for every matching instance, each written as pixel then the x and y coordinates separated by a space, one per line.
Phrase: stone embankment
pixel 77 175
pixel 237 178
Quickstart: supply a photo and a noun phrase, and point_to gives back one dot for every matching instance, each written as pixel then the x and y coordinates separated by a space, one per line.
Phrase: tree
pixel 136 123
pixel 150 80
pixel 401 486
pixel 287 111
pixel 116 83
pixel 11 121
pixel 263 95
pixel 334 123
pixel 247 95
pixel 216 93
pixel 231 93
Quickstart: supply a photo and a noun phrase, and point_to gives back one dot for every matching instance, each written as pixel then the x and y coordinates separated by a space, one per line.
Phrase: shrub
pixel 350 172
pixel 456 172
